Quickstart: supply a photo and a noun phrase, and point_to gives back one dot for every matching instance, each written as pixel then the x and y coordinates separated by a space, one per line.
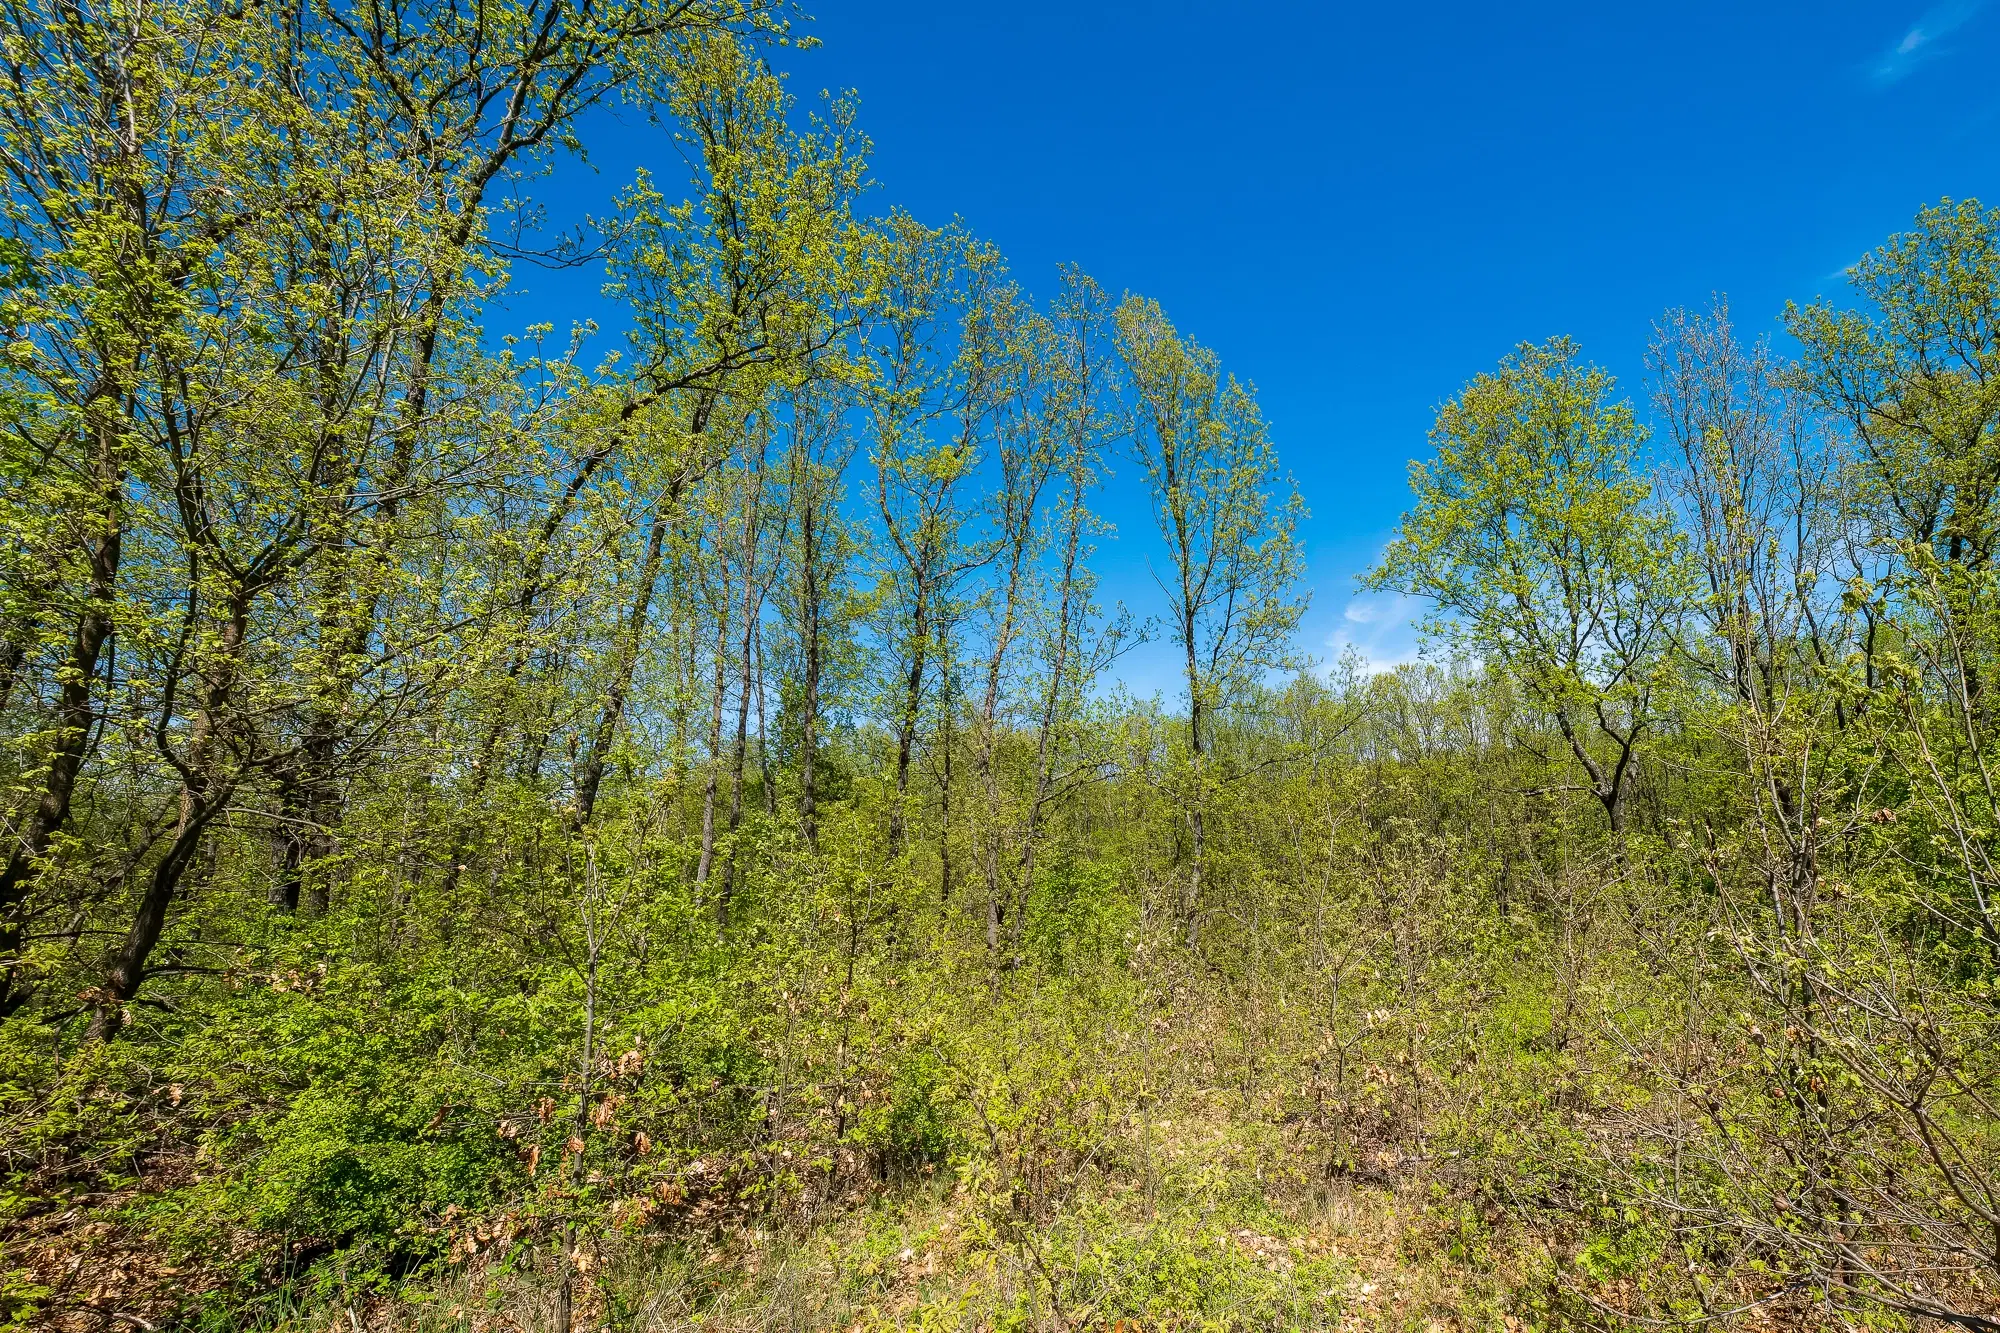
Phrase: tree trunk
pixel 739 756
pixel 906 726
pixel 74 718
pixel 1608 788
pixel 1197 832
pixel 989 711
pixel 753 607
pixel 944 789
pixel 534 581
pixel 288 839
pixel 1067 610
pixel 707 863
pixel 763 742
pixel 125 970
pixel 809 647
pixel 591 774
pixel 205 791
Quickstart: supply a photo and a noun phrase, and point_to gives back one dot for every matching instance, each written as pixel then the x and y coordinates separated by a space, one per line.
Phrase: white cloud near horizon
pixel 1381 627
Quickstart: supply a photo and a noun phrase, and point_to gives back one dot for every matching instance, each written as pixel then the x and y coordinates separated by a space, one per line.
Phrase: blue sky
pixel 1359 207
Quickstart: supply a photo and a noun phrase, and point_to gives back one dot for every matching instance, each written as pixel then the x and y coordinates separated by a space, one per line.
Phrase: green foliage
pixel 1534 539
pixel 1193 1267
pixel 1079 916
pixel 20 1297
pixel 914 1128
pixel 487 814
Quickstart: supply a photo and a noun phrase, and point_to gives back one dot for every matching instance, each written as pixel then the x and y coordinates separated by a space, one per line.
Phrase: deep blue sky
pixel 1360 207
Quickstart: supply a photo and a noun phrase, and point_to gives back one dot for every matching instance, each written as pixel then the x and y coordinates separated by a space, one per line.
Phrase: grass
pixel 1202 1220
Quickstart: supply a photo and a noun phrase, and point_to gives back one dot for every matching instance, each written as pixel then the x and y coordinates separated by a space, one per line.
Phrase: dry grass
pixel 1205 1222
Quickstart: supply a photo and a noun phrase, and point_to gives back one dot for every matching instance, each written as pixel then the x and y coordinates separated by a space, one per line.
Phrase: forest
pixel 543 827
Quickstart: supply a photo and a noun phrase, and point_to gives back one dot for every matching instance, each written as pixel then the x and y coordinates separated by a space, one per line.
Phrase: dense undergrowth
pixel 1394 1105
pixel 501 832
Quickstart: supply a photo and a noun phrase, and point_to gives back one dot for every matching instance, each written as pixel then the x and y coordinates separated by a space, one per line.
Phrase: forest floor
pixel 1184 1200
pixel 1208 1222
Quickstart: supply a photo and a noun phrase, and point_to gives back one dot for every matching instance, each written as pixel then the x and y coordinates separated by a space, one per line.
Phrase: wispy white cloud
pixel 1381 628
pixel 1922 43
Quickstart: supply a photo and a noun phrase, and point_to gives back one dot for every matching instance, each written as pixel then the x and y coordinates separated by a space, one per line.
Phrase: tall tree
pixel 1228 516
pixel 817 607
pixel 1915 371
pixel 920 385
pixel 1535 540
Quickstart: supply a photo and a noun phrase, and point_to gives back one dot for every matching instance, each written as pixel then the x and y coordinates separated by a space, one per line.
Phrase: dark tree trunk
pixel 770 788
pixel 205 791
pixel 75 716
pixel 906 727
pixel 710 787
pixel 810 649
pixel 125 970
pixel 591 774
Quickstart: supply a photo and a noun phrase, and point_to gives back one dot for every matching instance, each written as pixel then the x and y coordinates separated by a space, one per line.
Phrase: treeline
pixel 475 797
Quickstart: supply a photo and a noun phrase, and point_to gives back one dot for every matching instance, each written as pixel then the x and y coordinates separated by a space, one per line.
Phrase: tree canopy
pixel 637 828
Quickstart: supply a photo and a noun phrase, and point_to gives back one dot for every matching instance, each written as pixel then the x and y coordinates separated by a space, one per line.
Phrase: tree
pixel 818 609
pixel 1915 372
pixel 1536 542
pixel 921 376
pixel 1755 482
pixel 1228 517
pixel 260 236
pixel 1075 643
